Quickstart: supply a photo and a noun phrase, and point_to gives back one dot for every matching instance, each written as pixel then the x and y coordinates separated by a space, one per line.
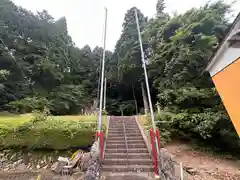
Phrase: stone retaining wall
pixel 167 166
pixel 92 172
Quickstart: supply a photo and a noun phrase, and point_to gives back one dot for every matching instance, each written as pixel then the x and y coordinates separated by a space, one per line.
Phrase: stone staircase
pixel 126 154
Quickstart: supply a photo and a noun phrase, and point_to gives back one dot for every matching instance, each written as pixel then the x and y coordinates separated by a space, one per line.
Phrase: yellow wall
pixel 227 83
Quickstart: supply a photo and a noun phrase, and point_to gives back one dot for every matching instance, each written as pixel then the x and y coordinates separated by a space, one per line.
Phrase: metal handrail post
pixel 147 83
pixel 102 81
pixel 105 94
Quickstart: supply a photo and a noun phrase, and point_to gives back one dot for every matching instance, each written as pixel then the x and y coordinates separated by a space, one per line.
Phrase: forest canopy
pixel 41 67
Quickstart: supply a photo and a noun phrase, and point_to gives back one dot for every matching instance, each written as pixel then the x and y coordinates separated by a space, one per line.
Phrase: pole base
pixel 156 176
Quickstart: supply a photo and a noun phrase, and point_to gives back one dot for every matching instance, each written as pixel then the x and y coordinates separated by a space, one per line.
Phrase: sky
pixel 85 18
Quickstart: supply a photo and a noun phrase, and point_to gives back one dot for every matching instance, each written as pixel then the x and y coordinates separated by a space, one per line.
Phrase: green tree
pixel 180 48
pixel 160 7
pixel 127 56
pixel 38 57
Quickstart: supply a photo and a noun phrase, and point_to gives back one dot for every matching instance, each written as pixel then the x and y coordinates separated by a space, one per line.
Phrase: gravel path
pixel 203 165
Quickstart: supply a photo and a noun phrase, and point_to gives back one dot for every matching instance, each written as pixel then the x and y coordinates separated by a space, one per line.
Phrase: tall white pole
pixel 105 93
pixel 102 77
pixel 147 83
pixel 99 82
pixel 181 171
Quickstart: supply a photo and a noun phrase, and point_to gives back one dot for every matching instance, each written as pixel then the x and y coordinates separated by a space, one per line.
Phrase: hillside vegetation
pixel 40 67
pixel 40 131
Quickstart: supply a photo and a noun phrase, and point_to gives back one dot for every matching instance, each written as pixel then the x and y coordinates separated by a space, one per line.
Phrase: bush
pixel 67 99
pixel 198 115
pixel 48 133
pixel 189 99
pixel 28 105
pixel 104 112
pixel 37 117
pixel 164 123
pixel 214 129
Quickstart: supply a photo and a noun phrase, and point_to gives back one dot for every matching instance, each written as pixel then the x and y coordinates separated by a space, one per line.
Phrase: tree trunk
pixel 145 101
pixel 135 101
pixel 94 106
pixel 121 111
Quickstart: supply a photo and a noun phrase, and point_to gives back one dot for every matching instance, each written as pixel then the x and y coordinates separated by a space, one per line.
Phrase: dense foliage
pixel 177 50
pixel 41 67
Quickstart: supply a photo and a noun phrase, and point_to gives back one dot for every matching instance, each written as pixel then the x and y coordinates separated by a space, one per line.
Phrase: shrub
pixel 212 128
pixel 198 114
pixel 104 112
pixel 189 99
pixel 164 123
pixel 37 117
pixel 67 99
pixel 29 104
pixel 48 133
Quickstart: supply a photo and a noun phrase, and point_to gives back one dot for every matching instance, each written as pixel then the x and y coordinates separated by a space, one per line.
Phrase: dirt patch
pixel 23 165
pixel 203 165
pixel 42 175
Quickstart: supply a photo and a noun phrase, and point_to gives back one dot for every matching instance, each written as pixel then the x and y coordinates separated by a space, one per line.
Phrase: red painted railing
pixel 158 137
pixel 101 139
pixel 154 135
pixel 101 145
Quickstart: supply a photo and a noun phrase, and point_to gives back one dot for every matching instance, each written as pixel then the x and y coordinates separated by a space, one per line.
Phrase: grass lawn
pixel 57 132
pixel 86 119
pixel 17 120
pixel 13 121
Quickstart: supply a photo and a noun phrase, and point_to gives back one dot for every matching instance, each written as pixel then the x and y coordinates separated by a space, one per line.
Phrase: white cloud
pixel 85 17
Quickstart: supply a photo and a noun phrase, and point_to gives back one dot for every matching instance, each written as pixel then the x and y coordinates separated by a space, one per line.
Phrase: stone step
pixel 132 129
pixel 125 155
pixel 127 162
pixel 128 121
pixel 123 123
pixel 122 134
pixel 123 150
pixel 122 146
pixel 115 138
pixel 121 126
pixel 125 120
pixel 126 177
pixel 129 168
pixel 123 141
pixel 142 174
pixel 121 129
pixel 126 128
pixel 122 138
pixel 120 122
